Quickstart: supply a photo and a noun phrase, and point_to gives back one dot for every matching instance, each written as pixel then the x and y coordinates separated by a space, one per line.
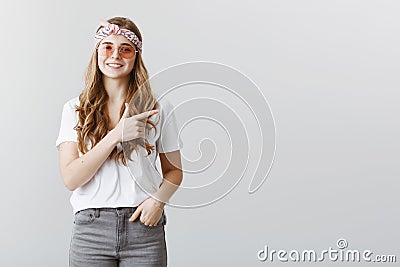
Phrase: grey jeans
pixel 103 237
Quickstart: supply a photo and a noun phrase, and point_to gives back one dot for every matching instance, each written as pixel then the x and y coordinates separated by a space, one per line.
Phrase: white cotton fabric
pixel 115 185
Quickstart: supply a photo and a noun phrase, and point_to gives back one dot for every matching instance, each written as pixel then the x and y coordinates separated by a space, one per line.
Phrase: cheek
pixel 131 65
pixel 101 63
pixel 101 67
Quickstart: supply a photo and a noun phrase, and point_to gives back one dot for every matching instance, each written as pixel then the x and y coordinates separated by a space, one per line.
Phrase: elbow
pixel 68 183
pixel 68 179
pixel 179 175
pixel 70 187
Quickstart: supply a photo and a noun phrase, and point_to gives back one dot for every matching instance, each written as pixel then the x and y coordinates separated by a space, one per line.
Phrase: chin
pixel 115 75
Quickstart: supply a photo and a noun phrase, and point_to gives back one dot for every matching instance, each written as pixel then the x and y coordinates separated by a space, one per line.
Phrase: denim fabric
pixel 103 237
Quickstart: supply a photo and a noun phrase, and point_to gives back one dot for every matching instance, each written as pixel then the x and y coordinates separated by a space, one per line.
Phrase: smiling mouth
pixel 114 65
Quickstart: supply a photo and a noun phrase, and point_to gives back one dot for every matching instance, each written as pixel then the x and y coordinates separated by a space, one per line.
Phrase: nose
pixel 115 53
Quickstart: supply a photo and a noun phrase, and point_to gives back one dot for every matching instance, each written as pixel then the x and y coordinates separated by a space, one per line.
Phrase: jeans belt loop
pixel 97 213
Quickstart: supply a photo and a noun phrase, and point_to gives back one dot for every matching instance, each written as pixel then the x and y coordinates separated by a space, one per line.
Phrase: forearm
pixel 81 170
pixel 171 182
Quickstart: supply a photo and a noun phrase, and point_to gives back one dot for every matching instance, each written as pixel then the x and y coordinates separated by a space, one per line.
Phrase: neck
pixel 116 88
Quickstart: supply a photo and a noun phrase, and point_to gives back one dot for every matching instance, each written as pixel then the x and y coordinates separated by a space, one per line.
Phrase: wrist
pixel 115 137
pixel 159 204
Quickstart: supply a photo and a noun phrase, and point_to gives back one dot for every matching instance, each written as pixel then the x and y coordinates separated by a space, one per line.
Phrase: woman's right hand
pixel 129 128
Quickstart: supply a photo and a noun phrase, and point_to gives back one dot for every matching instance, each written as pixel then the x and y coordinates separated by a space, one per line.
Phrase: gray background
pixel 329 70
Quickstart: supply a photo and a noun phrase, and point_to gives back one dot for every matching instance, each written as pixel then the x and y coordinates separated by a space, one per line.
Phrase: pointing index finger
pixel 146 114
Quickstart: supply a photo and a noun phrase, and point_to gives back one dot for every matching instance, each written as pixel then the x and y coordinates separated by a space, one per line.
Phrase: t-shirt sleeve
pixel 169 139
pixel 68 121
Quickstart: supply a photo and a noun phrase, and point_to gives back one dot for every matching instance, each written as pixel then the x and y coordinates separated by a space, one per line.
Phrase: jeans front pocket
pixel 161 222
pixel 84 217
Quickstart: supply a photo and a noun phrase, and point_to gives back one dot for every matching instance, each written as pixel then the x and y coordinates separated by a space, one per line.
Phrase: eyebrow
pixel 113 43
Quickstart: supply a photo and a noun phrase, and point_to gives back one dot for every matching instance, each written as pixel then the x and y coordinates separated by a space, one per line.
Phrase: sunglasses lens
pixel 125 51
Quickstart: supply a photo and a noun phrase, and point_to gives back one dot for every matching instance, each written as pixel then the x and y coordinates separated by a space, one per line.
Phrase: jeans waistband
pixel 119 210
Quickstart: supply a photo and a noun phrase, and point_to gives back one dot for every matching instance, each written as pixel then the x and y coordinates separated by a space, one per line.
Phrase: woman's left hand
pixel 150 211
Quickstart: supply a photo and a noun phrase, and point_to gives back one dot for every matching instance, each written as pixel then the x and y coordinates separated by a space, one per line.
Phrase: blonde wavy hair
pixel 93 120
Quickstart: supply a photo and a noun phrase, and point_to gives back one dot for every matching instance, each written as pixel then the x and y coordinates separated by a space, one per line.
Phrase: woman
pixel 108 150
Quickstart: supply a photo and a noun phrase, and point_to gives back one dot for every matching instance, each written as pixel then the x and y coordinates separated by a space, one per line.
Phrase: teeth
pixel 114 65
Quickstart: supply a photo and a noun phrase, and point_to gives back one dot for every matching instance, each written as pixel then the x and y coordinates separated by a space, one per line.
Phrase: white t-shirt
pixel 115 185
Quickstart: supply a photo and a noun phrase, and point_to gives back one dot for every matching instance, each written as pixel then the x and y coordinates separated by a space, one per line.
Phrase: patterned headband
pixel 109 28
